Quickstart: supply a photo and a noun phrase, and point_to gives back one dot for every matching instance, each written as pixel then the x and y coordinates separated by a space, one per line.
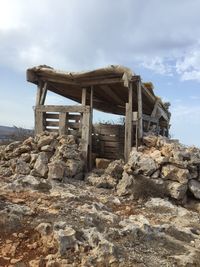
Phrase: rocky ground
pixel 125 215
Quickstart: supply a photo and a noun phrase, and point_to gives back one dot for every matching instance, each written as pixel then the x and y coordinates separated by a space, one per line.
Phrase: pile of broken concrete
pixel 46 155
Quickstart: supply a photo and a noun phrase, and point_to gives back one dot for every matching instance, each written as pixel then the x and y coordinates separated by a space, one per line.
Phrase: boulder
pixel 150 140
pixel 194 187
pixel 66 239
pixel 56 170
pixel 115 169
pixel 125 185
pixel 171 172
pixel 41 164
pixel 140 163
pixel 176 190
pixel 45 140
pixel 22 167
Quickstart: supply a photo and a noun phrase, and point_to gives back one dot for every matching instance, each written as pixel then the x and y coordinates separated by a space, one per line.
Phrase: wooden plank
pixel 39 92
pixel 140 110
pixel 85 136
pixel 110 138
pixel 43 94
pixel 111 144
pixel 39 122
pixel 90 130
pixel 51 116
pixel 62 123
pixel 52 108
pixel 73 125
pixel 84 96
pixel 82 83
pixel 74 117
pixel 128 123
pixel 52 123
pixel 52 130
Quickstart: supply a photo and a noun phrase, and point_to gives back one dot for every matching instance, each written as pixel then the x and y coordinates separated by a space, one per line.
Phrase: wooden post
pixel 62 123
pixel 140 112
pixel 91 124
pixel 128 123
pixel 39 121
pixel 43 94
pixel 84 96
pixel 39 92
pixel 85 129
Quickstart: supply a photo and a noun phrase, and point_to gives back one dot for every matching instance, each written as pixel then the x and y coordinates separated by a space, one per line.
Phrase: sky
pixel 158 40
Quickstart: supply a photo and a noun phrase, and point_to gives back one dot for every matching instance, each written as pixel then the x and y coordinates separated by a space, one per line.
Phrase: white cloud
pixel 75 34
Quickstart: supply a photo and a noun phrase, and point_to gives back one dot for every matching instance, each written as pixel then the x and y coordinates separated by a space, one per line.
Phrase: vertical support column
pixel 62 123
pixel 128 123
pixel 91 125
pixel 140 112
pixel 85 129
pixel 39 121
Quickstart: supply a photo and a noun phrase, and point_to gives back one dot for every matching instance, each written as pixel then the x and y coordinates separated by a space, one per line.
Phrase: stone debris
pixel 123 215
pixel 46 156
pixel 162 167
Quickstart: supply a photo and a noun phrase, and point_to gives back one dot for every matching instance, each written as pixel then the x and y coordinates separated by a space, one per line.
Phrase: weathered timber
pixel 51 108
pixel 62 123
pixel 140 111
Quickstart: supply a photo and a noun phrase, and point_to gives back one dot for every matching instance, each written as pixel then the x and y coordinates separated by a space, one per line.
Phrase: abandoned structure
pixel 115 90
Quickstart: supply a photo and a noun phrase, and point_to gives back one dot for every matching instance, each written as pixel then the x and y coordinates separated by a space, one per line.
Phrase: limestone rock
pixel 66 239
pixel 150 140
pixel 22 167
pixel 44 140
pixel 171 172
pixel 194 187
pixel 41 164
pixel 176 190
pixel 102 163
pixel 124 186
pixel 56 170
pixel 115 169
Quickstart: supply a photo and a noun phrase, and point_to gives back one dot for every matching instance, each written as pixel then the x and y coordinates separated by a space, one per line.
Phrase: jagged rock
pixel 150 140
pixel 41 164
pixel 56 170
pixel 21 149
pixel 124 186
pixel 103 181
pixel 115 169
pixel 22 167
pixel 12 146
pixel 73 167
pixel 194 187
pixel 66 239
pixel 44 228
pixel 102 163
pixel 170 172
pixel 140 163
pixel 45 140
pixel 25 157
pixel 176 190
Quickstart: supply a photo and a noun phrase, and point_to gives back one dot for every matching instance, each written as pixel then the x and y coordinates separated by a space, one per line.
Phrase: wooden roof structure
pixel 110 87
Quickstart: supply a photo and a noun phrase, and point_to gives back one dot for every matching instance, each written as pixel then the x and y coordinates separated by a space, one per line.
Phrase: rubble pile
pixel 47 156
pixel 49 217
pixel 162 167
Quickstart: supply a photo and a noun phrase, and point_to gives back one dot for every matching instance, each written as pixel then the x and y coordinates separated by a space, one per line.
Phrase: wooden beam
pixel 140 110
pixel 84 96
pixel 62 123
pixel 128 123
pixel 43 94
pixel 51 108
pixel 90 130
pixel 39 92
pixel 147 93
pixel 80 83
pixel 39 121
